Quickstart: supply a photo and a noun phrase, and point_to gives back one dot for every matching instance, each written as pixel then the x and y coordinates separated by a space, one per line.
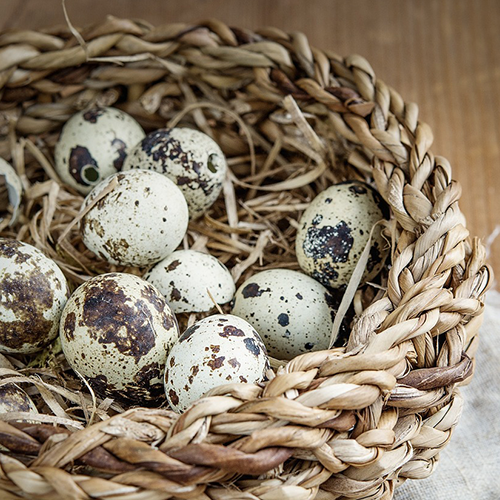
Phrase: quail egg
pixel 14 399
pixel 33 292
pixel 334 230
pixel 292 312
pixel 220 349
pixel 184 278
pixel 93 145
pixel 189 158
pixel 139 222
pixel 116 331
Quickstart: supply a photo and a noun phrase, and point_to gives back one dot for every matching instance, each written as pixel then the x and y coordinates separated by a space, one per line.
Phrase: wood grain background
pixel 442 54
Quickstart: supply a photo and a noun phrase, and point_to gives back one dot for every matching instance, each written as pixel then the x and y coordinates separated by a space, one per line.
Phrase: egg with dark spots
pixel 93 145
pixel 116 331
pixel 186 277
pixel 141 220
pixel 188 157
pixel 33 293
pixel 292 312
pixel 216 350
pixel 14 400
pixel 335 229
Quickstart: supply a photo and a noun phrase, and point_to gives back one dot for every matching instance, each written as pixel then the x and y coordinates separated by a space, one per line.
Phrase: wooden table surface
pixel 442 54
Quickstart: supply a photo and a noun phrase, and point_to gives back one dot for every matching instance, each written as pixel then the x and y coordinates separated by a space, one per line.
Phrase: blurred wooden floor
pixel 442 54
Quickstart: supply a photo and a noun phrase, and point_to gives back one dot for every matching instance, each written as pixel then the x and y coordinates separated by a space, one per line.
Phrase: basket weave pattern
pixel 351 422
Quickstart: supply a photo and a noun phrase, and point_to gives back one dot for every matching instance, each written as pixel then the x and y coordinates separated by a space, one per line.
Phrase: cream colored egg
pixel 292 312
pixel 33 292
pixel 217 350
pixel 186 276
pixel 188 157
pixel 139 222
pixel 116 331
pixel 93 145
pixel 14 400
pixel 334 230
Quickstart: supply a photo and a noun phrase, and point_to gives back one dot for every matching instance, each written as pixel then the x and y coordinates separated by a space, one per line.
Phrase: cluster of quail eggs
pixel 120 331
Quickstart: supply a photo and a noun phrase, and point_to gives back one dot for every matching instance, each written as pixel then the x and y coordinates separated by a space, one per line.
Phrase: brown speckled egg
pixel 292 312
pixel 116 331
pixel 188 157
pixel 93 145
pixel 334 230
pixel 184 278
pixel 14 399
pixel 220 349
pixel 33 292
pixel 141 221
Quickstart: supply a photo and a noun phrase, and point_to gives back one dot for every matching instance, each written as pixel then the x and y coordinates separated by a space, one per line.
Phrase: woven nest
pixel 351 422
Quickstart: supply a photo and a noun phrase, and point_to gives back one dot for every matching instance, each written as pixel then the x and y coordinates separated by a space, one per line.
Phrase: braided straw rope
pixel 352 422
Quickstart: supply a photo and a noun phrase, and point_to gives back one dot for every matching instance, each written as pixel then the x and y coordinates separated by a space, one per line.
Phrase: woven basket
pixel 352 422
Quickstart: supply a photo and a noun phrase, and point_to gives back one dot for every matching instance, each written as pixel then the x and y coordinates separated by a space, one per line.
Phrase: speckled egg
pixel 93 145
pixel 292 312
pixel 141 221
pixel 185 276
pixel 334 230
pixel 116 331
pixel 189 158
pixel 14 399
pixel 33 292
pixel 220 349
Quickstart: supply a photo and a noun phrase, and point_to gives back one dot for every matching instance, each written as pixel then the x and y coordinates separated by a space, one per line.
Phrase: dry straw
pixel 351 422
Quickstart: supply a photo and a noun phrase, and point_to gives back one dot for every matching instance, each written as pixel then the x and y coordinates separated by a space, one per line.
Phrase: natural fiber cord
pixel 352 422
